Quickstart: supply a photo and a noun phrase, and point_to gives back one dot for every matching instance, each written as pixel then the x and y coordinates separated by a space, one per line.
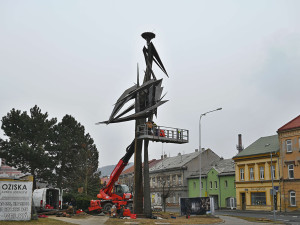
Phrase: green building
pixel 218 181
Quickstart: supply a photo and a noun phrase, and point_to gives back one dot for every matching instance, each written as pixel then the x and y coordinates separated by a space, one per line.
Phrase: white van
pixel 47 199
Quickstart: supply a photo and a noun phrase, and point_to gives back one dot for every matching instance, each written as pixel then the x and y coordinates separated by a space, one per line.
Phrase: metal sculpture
pixel 149 92
pixel 148 97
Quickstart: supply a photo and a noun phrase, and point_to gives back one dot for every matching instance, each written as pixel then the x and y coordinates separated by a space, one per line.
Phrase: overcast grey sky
pixel 77 57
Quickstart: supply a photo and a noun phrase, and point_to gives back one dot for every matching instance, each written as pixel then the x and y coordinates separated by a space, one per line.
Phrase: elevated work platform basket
pixel 163 134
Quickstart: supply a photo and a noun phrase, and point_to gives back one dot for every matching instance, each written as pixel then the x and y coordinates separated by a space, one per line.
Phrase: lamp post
pixel 200 149
pixel 273 191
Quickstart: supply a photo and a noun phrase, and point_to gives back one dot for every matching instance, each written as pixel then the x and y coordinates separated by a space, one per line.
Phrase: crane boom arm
pixel 114 176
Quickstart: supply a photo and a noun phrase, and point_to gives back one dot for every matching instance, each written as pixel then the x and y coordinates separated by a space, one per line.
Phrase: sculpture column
pixel 149 59
pixel 138 174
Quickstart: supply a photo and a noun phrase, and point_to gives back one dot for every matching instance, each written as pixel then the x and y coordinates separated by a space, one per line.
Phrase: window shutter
pixel 283 146
pixel 295 144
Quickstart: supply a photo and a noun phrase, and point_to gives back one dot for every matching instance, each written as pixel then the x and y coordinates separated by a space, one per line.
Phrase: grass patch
pixel 205 219
pixel 40 221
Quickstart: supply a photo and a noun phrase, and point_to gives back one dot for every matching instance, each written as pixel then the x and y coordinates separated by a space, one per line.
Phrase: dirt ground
pixel 165 218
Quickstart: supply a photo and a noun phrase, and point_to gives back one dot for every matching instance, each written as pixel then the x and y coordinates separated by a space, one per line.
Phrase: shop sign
pixel 15 200
pixel 258 189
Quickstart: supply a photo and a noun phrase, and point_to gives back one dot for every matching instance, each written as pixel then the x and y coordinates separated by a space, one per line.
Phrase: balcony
pixel 163 134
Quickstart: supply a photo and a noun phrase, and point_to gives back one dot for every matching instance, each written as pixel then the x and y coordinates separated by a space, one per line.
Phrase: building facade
pixel 289 139
pixel 127 176
pixel 169 176
pixel 218 182
pixel 256 169
pixel 8 171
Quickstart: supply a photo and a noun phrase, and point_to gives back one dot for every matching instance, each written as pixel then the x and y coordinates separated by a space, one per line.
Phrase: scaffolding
pixel 163 134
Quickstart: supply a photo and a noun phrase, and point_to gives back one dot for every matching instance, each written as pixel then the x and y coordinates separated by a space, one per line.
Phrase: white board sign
pixel 15 200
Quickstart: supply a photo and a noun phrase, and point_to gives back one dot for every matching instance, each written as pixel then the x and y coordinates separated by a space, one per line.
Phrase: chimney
pixel 179 154
pixel 165 155
pixel 196 150
pixel 239 146
pixel 162 157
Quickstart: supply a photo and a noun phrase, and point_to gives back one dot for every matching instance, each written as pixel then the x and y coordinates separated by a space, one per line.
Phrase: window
pixel 262 172
pixel 226 184
pixel 242 173
pixel 291 171
pixel 202 185
pixel 288 145
pixel 273 176
pixel 251 173
pixel 153 182
pixel 216 185
pixel 194 185
pixel 210 184
pixel 174 180
pixel 179 180
pixel 258 198
pixel 292 198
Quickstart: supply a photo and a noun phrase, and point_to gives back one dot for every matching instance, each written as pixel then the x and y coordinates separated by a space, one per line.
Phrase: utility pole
pixel 273 191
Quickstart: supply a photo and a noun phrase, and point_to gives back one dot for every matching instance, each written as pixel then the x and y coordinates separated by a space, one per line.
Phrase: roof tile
pixel 295 123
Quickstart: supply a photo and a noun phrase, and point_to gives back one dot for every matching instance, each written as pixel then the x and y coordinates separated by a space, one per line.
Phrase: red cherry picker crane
pixel 114 193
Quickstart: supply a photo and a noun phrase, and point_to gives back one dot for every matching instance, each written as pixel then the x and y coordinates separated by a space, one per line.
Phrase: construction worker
pixel 113 211
pixel 121 212
pixel 155 129
pixel 149 127
pixel 180 134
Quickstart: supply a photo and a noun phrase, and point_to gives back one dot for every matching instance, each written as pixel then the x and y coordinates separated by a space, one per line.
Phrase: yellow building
pixel 253 170
pixel 289 139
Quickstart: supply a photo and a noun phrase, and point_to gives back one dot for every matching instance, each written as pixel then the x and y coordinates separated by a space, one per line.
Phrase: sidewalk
pixel 228 220
pixel 262 212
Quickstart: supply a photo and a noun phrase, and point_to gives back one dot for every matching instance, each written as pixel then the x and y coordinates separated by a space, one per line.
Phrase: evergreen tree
pixel 29 137
pixel 86 173
pixel 68 137
pixel 75 155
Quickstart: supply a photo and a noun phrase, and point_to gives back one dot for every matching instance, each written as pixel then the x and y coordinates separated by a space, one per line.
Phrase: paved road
pixel 90 220
pixel 285 218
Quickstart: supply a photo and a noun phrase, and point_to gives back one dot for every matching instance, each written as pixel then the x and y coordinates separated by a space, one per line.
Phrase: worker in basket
pixel 155 129
pixel 149 127
pixel 162 133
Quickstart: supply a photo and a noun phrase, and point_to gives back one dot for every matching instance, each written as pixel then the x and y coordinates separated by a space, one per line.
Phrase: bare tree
pixel 166 190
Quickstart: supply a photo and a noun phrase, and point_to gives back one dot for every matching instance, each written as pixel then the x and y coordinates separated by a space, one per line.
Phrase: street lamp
pixel 200 149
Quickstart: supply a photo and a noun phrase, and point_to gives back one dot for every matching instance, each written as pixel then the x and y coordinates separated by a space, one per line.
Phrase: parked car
pixel 47 199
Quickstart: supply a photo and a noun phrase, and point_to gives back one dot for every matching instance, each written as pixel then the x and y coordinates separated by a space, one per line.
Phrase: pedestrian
pixel 73 203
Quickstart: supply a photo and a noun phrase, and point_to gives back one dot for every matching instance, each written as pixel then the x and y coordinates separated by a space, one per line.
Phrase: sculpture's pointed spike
pixel 138 76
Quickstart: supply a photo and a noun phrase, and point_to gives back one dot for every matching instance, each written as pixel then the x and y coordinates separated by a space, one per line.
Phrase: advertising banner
pixel 15 200
pixel 194 206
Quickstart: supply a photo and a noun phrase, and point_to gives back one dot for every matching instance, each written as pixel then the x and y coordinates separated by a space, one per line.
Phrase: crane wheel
pixel 107 207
